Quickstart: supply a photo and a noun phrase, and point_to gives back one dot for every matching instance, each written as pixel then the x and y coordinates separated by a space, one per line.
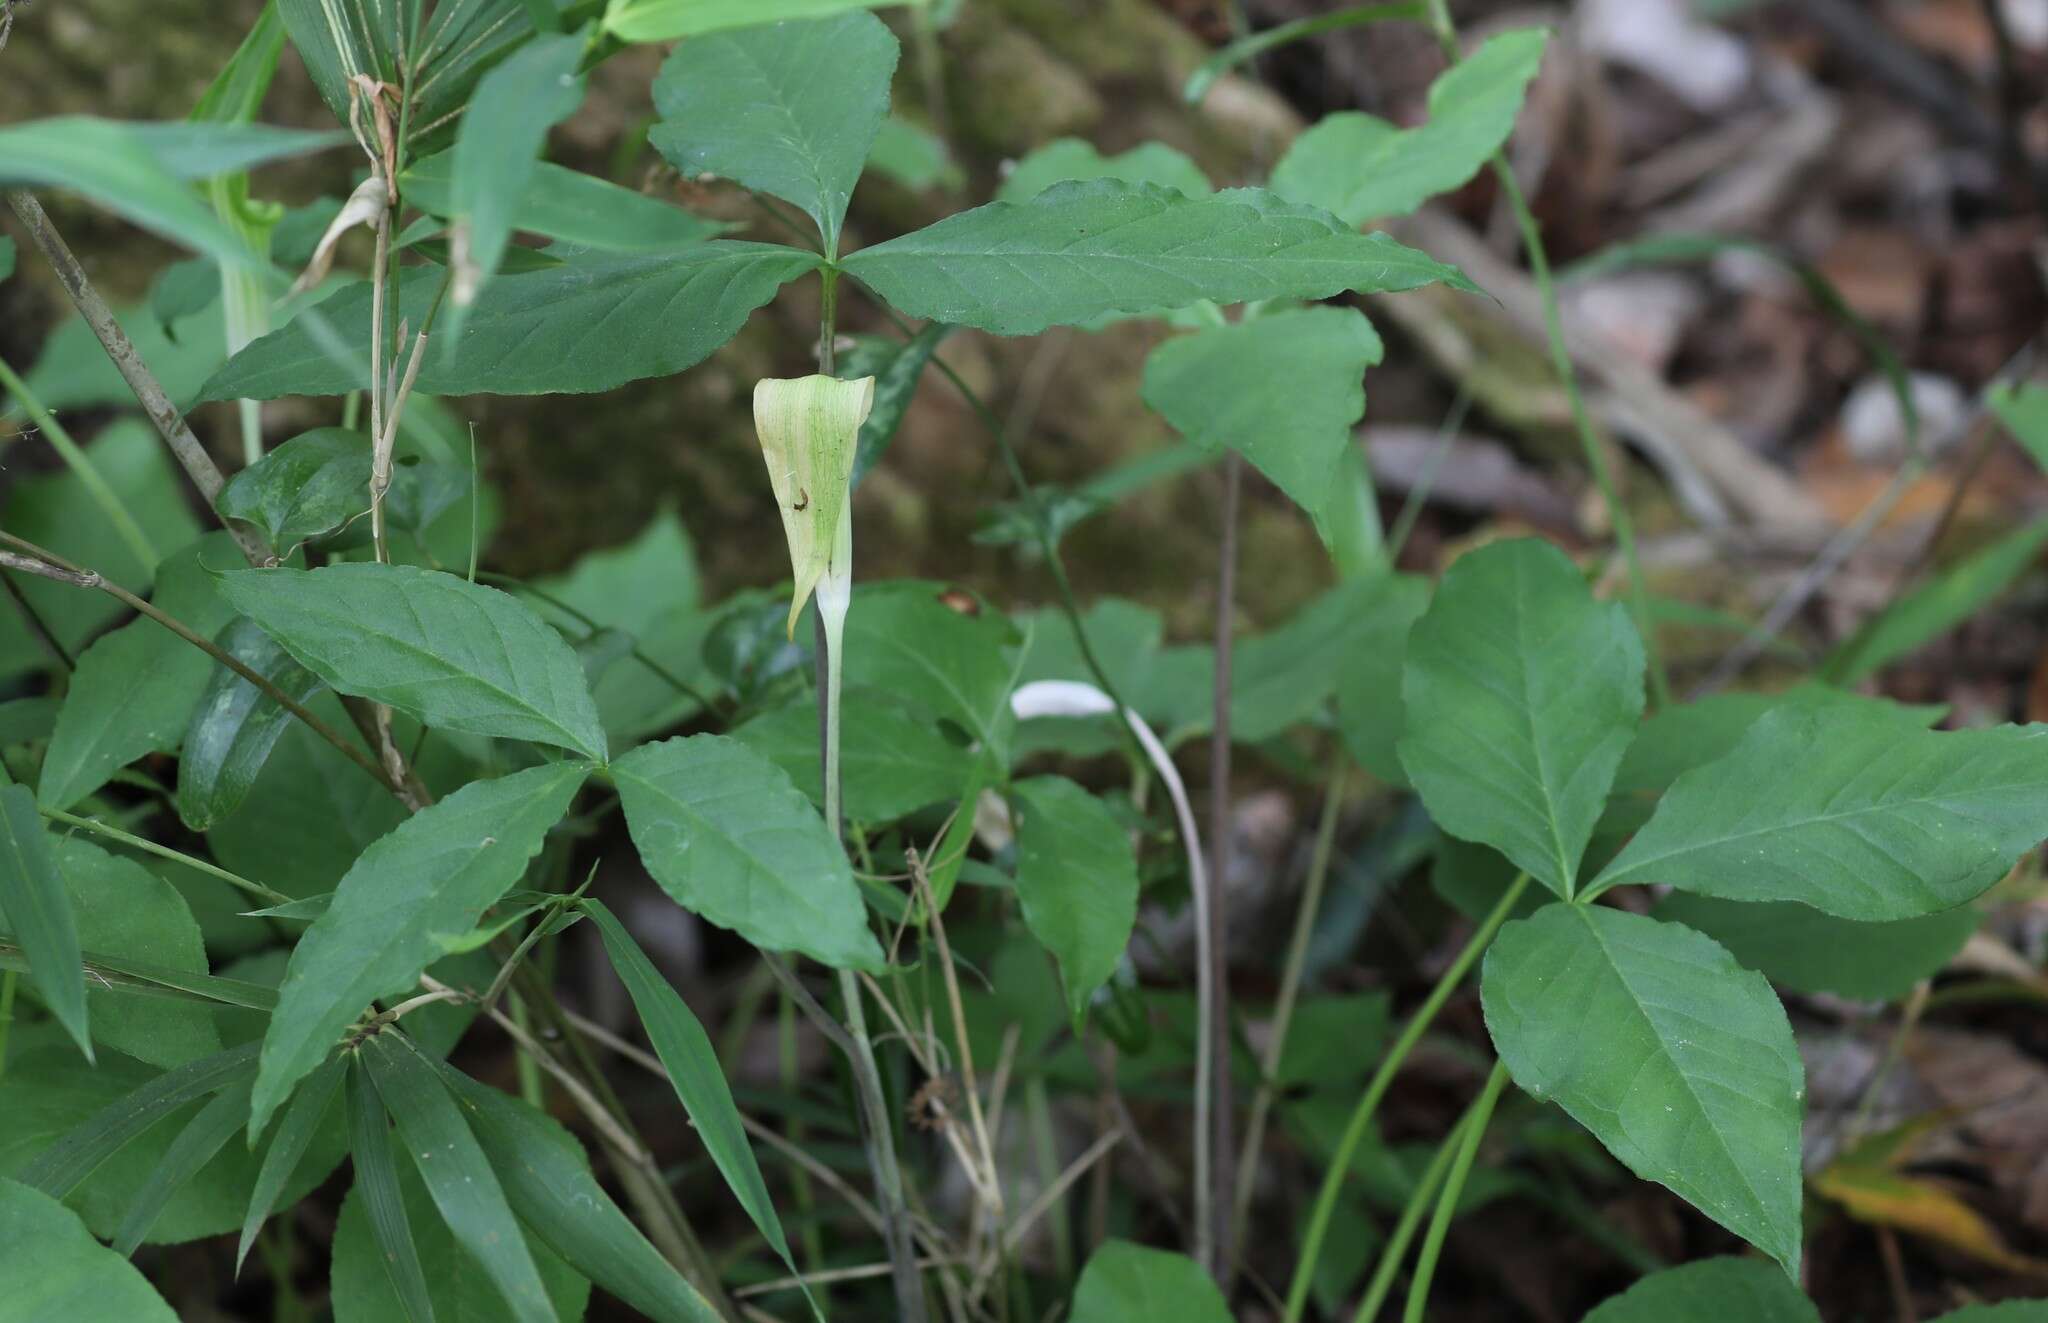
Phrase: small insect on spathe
pixel 803 501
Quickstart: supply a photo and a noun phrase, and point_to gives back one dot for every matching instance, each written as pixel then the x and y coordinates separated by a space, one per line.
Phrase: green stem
pixel 88 477
pixel 1561 363
pixel 270 894
pixel 1290 988
pixel 6 1016
pixel 1454 1185
pixel 1396 1249
pixel 1376 1088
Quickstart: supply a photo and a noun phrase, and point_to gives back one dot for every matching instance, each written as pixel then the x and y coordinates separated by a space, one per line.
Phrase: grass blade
pixel 59 1169
pixel 377 1174
pixel 203 1136
pixel 301 1121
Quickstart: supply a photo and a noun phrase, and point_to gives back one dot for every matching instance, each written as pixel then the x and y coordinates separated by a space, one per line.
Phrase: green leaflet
pixel 436 873
pixel 457 1175
pixel 548 1183
pixel 309 815
pixel 1801 948
pixel 665 20
pixel 896 368
pixel 789 109
pixel 309 1108
pixel 310 485
pixel 1283 390
pixel 693 1070
pixel 1522 693
pixel 35 907
pixel 1369 712
pixel 235 725
pixel 1710 1291
pixel 912 155
pixel 1677 1059
pixel 1687 735
pixel 54 1269
pixel 458 1286
pixel 587 325
pixel 376 1171
pixel 1854 813
pixel 891 764
pixel 566 204
pixel 1077 882
pixel 1363 168
pixel 1937 606
pixel 2024 411
pixel 497 144
pixel 139 170
pixel 1287 674
pixel 125 912
pixel 1125 1282
pixel 729 838
pixel 1080 250
pixel 454 654
pixel 1074 158
pixel 901 637
pixel 206 1134
pixel 134 689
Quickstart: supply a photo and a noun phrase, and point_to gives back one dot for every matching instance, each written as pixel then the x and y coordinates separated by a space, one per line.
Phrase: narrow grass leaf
pixel 436 873
pixel 456 655
pixel 58 1169
pixel 1852 812
pixel 693 1070
pixel 302 1119
pixel 457 1175
pixel 34 904
pixel 1677 1059
pixel 1522 693
pixel 203 1136
pixel 377 1178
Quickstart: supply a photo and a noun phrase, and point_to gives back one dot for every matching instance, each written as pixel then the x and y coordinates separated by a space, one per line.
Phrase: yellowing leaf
pixel 809 428
pixel 1922 1208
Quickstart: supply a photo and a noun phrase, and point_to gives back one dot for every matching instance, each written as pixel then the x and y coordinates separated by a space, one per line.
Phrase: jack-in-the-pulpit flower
pixel 809 429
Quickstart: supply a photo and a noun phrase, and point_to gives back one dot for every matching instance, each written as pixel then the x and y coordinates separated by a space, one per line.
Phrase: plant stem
pixel 1376 1088
pixel 98 828
pixel 1396 1249
pixel 1561 363
pixel 88 476
pixel 1213 1222
pixel 1290 987
pixel 185 447
pixel 1454 1185
pixel 6 1016
pixel 51 566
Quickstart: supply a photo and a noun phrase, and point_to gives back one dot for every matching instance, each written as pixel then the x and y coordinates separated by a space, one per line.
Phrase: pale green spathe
pixel 809 429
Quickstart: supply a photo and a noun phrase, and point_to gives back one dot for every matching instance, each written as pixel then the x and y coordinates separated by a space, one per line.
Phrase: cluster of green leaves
pixel 1816 839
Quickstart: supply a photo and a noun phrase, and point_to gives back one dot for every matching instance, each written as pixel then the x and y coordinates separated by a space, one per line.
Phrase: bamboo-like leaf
pixel 1679 1060
pixel 55 1270
pixel 548 1183
pixel 235 725
pixel 1522 693
pixel 587 325
pixel 34 905
pixel 789 109
pixel 729 838
pixel 309 1107
pixel 435 874
pixel 377 1177
pixel 1081 250
pixel 456 1173
pixel 203 1136
pixel 1853 812
pixel 693 1070
pixel 58 1169
pixel 454 654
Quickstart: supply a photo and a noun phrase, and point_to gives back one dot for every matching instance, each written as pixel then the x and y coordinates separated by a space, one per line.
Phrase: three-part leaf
pixel 436 874
pixel 1283 390
pixel 1363 168
pixel 456 655
pixel 588 325
pixel 54 1269
pixel 1522 694
pixel 1077 882
pixel 692 1065
pixel 730 839
pixel 1080 250
pixel 787 109
pixel 1855 813
pixel 33 904
pixel 1679 1060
